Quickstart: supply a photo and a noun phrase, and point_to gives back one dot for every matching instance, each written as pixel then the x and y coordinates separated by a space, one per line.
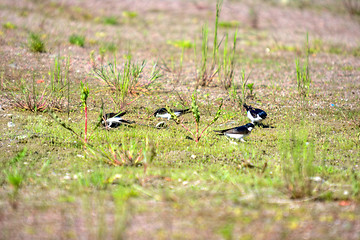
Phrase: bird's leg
pixel 242 140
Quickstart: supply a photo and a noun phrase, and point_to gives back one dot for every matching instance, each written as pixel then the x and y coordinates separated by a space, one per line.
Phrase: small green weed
pixel 128 153
pixel 129 14
pixel 9 26
pixel 110 20
pixel 78 40
pixel 59 83
pixel 297 155
pixel 15 176
pixel 303 78
pixel 126 83
pixel 31 99
pixel 35 43
pixel 205 75
pixel 231 24
pixel 227 69
pixel 233 92
pixel 196 114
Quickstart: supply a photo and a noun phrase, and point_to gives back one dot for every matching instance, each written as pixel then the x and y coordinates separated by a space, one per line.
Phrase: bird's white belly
pixel 256 119
pixel 164 115
pixel 113 120
pixel 236 136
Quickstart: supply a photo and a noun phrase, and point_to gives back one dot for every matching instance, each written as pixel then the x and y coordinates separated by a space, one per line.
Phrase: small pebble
pixel 11 124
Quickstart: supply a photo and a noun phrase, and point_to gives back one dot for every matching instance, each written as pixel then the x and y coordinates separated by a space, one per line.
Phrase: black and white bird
pixel 254 114
pixel 163 112
pixel 239 133
pixel 114 120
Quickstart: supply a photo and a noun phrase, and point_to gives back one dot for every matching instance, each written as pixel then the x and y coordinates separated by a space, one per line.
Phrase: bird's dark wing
pixel 111 115
pixel 262 114
pixel 236 130
pixel 127 121
pixel 253 113
pixel 160 111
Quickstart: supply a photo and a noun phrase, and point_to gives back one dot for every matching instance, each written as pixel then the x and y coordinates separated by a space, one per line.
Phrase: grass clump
pixel 303 78
pixel 229 24
pixel 196 114
pixel 297 153
pixel 228 64
pixel 111 20
pixel 35 43
pixel 78 40
pixel 60 83
pixel 240 99
pixel 128 153
pixel 127 82
pixel 129 14
pixel 9 26
pixel 29 98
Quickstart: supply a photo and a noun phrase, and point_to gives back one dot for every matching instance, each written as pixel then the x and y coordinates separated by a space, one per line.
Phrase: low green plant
pixel 59 83
pixel 297 153
pixel 128 82
pixel 128 153
pixel 9 26
pixel 196 114
pixel 129 14
pixel 182 44
pixel 205 75
pixel 15 176
pixel 107 47
pixel 355 184
pixel 35 43
pixel 233 92
pixel 229 24
pixel 84 96
pixel 110 20
pixel 78 40
pixel 227 69
pixel 250 87
pixel 30 99
pixel 303 78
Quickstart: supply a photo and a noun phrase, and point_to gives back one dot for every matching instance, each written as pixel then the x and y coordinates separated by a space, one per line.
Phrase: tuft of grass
pixel 30 99
pixel 128 153
pixel 9 26
pixel 110 20
pixel 60 83
pixel 197 134
pixel 35 43
pixel 78 40
pixel 15 176
pixel 297 153
pixel 108 47
pixel 126 83
pixel 303 78
pixel 229 24
pixel 205 75
pixel 228 64
pixel 233 92
pixel 129 14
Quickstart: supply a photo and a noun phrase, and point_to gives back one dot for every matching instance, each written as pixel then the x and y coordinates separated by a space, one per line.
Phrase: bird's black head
pixel 247 107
